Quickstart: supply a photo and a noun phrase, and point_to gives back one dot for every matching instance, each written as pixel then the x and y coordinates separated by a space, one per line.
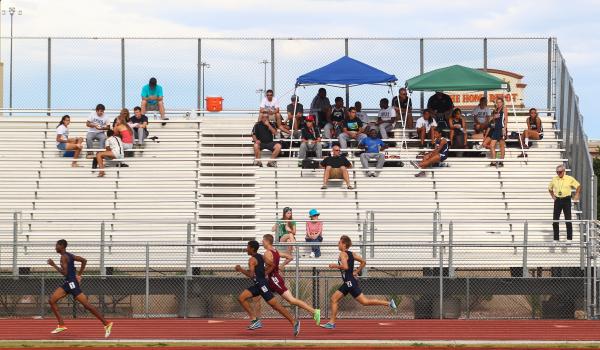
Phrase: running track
pixel 206 329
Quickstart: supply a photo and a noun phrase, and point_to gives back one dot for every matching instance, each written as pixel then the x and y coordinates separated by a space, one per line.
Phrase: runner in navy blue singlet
pixel 71 286
pixel 350 282
pixel 256 271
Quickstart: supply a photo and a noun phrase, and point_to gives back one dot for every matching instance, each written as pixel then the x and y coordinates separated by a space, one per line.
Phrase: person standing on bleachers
pixel 386 118
pixel 404 108
pixel 321 108
pixel 262 136
pixel 497 132
pixel 98 123
pixel 560 189
pixel 64 143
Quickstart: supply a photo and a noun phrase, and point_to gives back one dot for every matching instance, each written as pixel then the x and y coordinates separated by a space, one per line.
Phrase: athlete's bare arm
pixel 63 265
pixel 250 272
pixel 83 262
pixel 362 262
pixel 268 257
pixel 343 265
pixel 288 258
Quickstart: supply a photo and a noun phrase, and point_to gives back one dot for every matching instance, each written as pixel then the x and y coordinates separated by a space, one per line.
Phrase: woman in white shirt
pixel 64 143
pixel 114 150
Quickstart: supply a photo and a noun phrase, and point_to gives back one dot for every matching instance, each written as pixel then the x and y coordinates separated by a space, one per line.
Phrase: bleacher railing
pixel 570 121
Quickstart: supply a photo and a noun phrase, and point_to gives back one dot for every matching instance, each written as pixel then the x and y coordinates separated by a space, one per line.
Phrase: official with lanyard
pixel 560 189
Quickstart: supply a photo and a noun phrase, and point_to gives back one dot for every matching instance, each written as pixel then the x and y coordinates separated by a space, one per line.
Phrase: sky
pixel 81 69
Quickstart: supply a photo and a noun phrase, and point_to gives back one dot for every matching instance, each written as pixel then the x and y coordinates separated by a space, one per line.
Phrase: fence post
pixel 450 249
pixel 347 88
pixel 297 291
pixel 485 60
pixel 147 294
pixel 102 243
pixel 435 233
pixel 273 64
pixel 363 248
pixel 199 75
pixel 188 252
pixel 42 296
pixel 372 233
pixel 422 68
pixel 525 243
pixel 49 82
pixel 549 102
pixel 122 72
pixel 15 245
pixel 588 272
pixel 441 294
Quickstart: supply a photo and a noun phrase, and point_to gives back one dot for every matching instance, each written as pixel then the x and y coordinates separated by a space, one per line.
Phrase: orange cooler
pixel 214 104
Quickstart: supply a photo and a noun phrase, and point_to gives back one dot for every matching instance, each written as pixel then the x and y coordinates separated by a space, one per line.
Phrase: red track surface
pixel 204 329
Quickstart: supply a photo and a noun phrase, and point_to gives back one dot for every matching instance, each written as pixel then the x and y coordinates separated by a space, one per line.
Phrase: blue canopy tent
pixel 344 72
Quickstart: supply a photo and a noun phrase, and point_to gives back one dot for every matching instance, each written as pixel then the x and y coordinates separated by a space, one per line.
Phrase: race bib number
pixel 275 281
pixel 72 285
pixel 264 289
pixel 349 284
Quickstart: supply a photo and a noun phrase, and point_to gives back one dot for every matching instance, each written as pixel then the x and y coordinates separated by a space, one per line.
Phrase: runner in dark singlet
pixel 350 286
pixel 71 286
pixel 276 282
pixel 256 271
pixel 437 156
pixel 535 130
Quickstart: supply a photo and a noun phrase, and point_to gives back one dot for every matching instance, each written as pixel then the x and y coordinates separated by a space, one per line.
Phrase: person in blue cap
pixel 314 232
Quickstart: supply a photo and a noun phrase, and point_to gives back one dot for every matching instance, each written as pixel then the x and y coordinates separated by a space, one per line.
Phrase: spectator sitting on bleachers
pixel 292 123
pixel 336 167
pixel 123 130
pixel 437 156
pixel 262 136
pixel 285 228
pixel 97 124
pixel 458 127
pixel 534 131
pixel 311 139
pixel 373 146
pixel 367 124
pixel 481 118
pixel 152 98
pixel 352 129
pixel 441 106
pixel 321 108
pixel 334 126
pixel 64 143
pixel 114 150
pixel 270 107
pixel 314 232
pixel 404 109
pixel 386 118
pixel 496 132
pixel 426 125
pixel 139 124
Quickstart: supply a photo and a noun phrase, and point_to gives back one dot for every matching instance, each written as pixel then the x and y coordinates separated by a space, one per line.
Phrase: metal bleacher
pixel 201 171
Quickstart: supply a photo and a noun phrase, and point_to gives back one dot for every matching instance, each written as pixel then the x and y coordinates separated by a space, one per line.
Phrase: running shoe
pixel 107 329
pixel 256 324
pixel 328 325
pixel 317 316
pixel 296 328
pixel 414 164
pixel 421 174
pixel 393 305
pixel 59 329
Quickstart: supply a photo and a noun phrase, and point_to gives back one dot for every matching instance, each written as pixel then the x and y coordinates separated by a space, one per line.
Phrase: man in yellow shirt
pixel 560 189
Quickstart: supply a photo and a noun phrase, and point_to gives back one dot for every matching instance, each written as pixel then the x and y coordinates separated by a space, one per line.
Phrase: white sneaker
pixel 312 254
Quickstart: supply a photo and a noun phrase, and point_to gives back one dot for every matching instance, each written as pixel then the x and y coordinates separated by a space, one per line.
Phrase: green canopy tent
pixel 456 78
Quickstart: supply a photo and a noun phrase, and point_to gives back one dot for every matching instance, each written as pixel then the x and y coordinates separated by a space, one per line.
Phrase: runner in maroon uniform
pixel 276 282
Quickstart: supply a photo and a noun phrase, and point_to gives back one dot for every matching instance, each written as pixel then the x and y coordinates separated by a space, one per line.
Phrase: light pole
pixel 265 62
pixel 203 65
pixel 11 12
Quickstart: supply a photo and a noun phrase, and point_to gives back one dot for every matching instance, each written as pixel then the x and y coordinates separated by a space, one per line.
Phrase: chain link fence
pixel 459 281
pixel 78 73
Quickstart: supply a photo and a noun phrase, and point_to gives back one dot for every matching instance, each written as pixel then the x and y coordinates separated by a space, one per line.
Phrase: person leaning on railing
pixel 560 189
